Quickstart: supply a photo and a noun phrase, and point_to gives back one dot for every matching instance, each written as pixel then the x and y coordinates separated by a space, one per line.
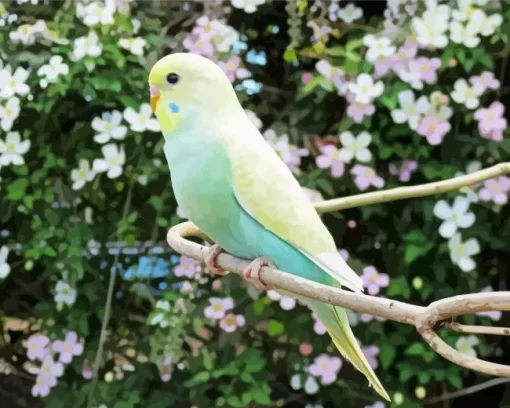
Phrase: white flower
pixel 365 89
pixel 218 307
pixel 460 253
pixel 27 33
pixel 430 31
pixel 109 127
pixel 311 385
pixel 53 69
pixel 114 159
pixel 5 268
pixel 82 174
pixel 11 84
pixel 87 46
pixel 163 306
pixel 224 36
pixel 254 118
pixel 65 293
pixel 467 95
pixel 490 24
pixel 286 302
pixel 9 113
pixel 143 120
pixel 378 47
pixel 454 217
pixel 93 14
pixel 465 345
pixel 350 13
pixel 412 75
pixel 13 149
pixel 134 45
pixel 464 34
pixel 249 6
pixel 355 147
pixel 410 109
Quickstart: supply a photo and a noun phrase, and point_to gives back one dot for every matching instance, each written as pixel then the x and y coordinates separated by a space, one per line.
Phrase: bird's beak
pixel 155 95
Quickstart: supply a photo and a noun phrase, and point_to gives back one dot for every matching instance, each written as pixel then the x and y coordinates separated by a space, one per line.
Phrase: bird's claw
pixel 252 272
pixel 210 260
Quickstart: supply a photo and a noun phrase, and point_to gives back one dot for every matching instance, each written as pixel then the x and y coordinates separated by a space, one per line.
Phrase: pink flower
pixel 494 314
pixel 333 73
pixel 357 111
pixel 306 77
pixel 404 54
pixel 326 368
pixel 487 80
pixel 318 326
pixel 37 347
pixel 218 307
pixel 491 122
pixel 374 281
pixel 68 348
pixel 165 368
pixel 366 177
pixel 404 171
pixel 43 384
pixel 433 130
pixel 231 322
pixel 305 349
pixel 371 353
pixel 428 68
pixel 197 44
pixel 344 254
pixel 232 70
pixel 365 318
pixel 330 158
pixel 382 66
pixel 377 404
pixel 495 189
pixel 187 267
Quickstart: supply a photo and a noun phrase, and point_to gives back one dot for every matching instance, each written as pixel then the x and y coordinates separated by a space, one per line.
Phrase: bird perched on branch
pixel 236 189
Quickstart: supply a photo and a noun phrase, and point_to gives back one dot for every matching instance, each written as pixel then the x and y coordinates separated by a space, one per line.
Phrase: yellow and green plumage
pixel 237 190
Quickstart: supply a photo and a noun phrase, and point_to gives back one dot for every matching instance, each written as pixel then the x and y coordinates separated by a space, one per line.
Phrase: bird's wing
pixel 267 190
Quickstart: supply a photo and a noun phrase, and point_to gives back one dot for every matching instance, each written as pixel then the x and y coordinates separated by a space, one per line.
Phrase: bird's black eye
pixel 172 78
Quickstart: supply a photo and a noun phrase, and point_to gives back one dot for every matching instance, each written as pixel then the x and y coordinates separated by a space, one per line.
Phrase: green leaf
pixel 412 252
pixel 336 51
pixel 199 378
pixel 156 202
pixel 416 349
pixel 16 190
pixel 386 355
pixel 275 328
pixel 261 397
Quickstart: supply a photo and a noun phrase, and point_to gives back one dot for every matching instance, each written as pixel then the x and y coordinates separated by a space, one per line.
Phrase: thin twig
pixel 401 193
pixel 108 305
pixel 467 391
pixel 463 328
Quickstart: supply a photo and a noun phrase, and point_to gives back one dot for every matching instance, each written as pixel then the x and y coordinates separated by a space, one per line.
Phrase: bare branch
pixel 423 190
pixel 467 391
pixel 425 319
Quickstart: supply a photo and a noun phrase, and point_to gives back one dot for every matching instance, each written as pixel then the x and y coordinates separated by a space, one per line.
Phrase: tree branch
pixel 427 320
pixel 423 190
pixel 467 391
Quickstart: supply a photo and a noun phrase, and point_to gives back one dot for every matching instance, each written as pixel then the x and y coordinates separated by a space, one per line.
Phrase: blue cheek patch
pixel 174 108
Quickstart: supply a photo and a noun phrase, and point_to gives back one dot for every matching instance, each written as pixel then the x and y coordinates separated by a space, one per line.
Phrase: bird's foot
pixel 252 272
pixel 210 260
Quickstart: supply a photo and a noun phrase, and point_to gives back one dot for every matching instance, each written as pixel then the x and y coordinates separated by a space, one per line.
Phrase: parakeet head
pixel 190 80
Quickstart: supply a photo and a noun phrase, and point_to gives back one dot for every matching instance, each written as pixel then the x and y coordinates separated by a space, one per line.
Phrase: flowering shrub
pixel 97 311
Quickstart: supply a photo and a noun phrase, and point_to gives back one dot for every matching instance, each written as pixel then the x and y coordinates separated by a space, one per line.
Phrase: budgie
pixel 238 191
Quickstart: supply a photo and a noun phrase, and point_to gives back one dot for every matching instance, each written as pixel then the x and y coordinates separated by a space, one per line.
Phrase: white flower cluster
pixel 464 24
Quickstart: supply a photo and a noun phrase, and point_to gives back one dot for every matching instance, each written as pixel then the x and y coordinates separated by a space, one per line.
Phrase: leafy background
pixel 81 221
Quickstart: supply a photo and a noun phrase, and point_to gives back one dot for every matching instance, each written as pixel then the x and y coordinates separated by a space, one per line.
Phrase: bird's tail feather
pixel 337 324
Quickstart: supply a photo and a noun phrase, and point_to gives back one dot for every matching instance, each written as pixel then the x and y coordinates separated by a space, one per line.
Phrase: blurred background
pixel 97 311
